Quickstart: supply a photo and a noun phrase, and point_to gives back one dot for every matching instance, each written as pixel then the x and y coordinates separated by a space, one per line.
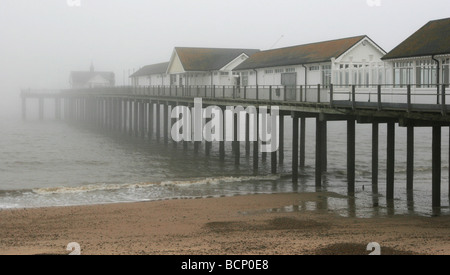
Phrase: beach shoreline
pixel 238 225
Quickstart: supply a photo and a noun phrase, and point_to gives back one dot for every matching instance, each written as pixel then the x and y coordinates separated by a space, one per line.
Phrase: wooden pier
pixel 140 111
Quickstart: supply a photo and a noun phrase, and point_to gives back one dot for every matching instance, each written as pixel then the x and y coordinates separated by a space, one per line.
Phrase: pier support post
pixel 281 149
pixel 158 121
pixel 351 133
pixel 121 115
pixel 302 141
pixel 130 117
pixel 410 158
pixel 41 108
pixel 295 148
pixel 208 144
pixel 116 113
pixel 145 118
pixel 319 161
pixel 151 119
pixel 142 118
pixel 247 135
pixel 222 142
pixel 172 123
pixel 66 110
pixel 125 116
pixel 58 108
pixel 256 145
pixel 324 146
pixel 390 161
pixel 136 118
pixel 24 108
pixel 236 143
pixel 375 137
pixel 166 123
pixel 273 159
pixel 436 178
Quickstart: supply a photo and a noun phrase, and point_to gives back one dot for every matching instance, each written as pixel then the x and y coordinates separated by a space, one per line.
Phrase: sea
pixel 53 163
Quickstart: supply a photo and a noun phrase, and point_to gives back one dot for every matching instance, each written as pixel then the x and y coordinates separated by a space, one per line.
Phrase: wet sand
pixel 241 225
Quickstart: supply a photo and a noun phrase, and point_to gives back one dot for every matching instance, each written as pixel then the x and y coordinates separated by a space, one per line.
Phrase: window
pixel 326 75
pixel 290 70
pixel 403 73
pixel 173 79
pixel 224 73
pixel 244 78
pixel 446 72
pixel 278 71
pixel 268 71
pixel 314 68
pixel 425 73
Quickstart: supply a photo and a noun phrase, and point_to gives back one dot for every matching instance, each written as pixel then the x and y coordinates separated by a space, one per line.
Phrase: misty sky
pixel 42 41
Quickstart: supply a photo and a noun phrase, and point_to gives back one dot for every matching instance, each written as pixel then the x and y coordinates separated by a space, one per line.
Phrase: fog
pixel 42 41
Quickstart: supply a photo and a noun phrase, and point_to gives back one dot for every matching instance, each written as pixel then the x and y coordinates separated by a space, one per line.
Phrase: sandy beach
pixel 240 225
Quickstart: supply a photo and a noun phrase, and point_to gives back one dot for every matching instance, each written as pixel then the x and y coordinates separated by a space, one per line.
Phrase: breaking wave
pixel 112 187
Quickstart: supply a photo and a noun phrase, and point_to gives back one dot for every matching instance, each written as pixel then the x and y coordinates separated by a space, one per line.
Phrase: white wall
pixel 272 76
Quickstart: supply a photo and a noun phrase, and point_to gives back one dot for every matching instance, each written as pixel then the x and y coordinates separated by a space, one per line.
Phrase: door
pixel 289 81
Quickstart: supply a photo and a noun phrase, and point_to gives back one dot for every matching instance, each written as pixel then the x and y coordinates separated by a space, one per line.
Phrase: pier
pixel 145 112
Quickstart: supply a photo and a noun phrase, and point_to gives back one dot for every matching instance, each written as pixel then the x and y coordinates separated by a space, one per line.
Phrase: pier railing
pixel 406 97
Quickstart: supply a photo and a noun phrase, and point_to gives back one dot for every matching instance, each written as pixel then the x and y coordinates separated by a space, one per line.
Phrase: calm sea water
pixel 51 163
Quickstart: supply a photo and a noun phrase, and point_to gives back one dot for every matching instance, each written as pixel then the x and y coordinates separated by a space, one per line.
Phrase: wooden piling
pixel 236 143
pixel 375 146
pixel 273 159
pixel 130 117
pixel 166 123
pixel 390 173
pixel 24 108
pixel 302 141
pixel 208 144
pixel 319 162
pixel 410 158
pixel 281 148
pixel 158 121
pixel 41 108
pixel 324 144
pixel 295 141
pixel 247 134
pixel 58 108
pixel 151 119
pixel 256 145
pixel 436 167
pixel 351 136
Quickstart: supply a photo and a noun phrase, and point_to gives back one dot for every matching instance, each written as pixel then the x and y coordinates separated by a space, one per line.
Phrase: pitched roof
pixel 303 54
pixel 431 39
pixel 209 59
pixel 84 77
pixel 159 68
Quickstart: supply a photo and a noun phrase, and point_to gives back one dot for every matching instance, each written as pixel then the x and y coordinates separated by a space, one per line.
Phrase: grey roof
pixel 160 68
pixel 209 59
pixel 431 39
pixel 302 54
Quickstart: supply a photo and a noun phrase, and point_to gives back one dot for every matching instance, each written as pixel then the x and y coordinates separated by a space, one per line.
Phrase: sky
pixel 41 42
